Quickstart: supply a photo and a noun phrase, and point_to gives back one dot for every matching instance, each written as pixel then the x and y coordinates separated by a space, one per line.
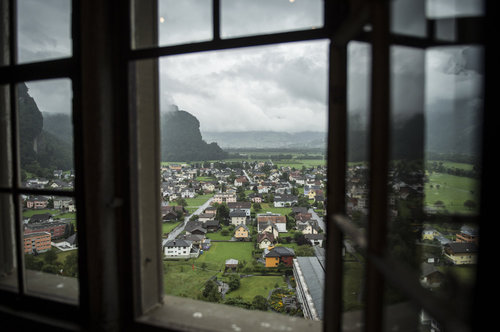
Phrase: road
pixel 319 219
pixel 179 229
pixel 248 178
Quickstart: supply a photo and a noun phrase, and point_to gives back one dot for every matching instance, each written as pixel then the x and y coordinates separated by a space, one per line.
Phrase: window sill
pixel 183 314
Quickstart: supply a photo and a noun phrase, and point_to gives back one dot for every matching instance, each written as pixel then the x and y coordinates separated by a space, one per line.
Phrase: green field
pixel 257 285
pixel 181 279
pixel 269 207
pixel 452 190
pixel 29 213
pixel 168 226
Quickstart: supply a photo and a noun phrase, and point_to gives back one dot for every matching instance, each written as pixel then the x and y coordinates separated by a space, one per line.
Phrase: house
pixel 212 225
pixel 264 218
pixel 299 209
pixel 303 217
pixel 460 253
pixel 195 239
pixel 266 240
pixel 231 264
pixel 245 206
pixel 467 235
pixel 308 227
pixel 40 217
pixel 224 198
pixel 430 277
pixel 70 243
pixel 269 228
pixel 59 184
pixel 37 202
pixel 429 234
pixel 65 204
pixel 195 227
pixel 240 181
pixel 279 255
pixel 285 200
pixel 36 242
pixel 241 232
pixel 179 249
pixel 255 198
pixel 315 239
pixel 204 217
pixel 238 217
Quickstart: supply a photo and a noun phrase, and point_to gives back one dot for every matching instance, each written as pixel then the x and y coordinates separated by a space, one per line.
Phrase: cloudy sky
pixel 281 87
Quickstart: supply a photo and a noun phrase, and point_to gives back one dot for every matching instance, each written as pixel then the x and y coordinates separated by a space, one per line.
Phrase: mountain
pixel 268 139
pixel 41 152
pixel 181 139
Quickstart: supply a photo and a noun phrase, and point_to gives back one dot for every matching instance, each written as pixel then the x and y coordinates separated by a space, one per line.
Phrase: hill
pixel 181 139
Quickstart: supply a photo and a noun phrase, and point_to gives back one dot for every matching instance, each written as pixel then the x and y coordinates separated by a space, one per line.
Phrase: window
pixel 113 68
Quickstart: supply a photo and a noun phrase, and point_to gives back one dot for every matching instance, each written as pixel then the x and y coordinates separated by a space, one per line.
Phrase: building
pixel 278 255
pixel 179 249
pixel 276 219
pixel 37 242
pixel 56 229
pixel 243 206
pixel 468 234
pixel 460 253
pixel 241 232
pixel 309 274
pixel 238 217
pixel 224 198
pixel 37 202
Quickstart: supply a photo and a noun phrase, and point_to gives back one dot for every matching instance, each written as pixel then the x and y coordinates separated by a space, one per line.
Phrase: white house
pixel 178 248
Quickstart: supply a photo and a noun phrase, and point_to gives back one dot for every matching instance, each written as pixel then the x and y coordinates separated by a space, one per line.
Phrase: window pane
pixel 8 263
pixel 408 18
pixel 46 134
pixel 5 138
pixel 240 17
pixel 51 248
pixel 259 185
pixel 357 185
pixel 454 8
pixel 184 21
pixel 44 30
pixel 358 80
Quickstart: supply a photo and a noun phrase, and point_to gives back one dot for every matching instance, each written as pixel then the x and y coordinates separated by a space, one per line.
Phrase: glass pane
pixel 8 262
pixel 5 138
pixel 240 17
pixel 358 80
pixel 4 35
pixel 184 21
pixel 243 136
pixel 44 30
pixel 454 8
pixel 408 18
pixel 51 248
pixel 46 134
pixel 454 101
pixel 357 189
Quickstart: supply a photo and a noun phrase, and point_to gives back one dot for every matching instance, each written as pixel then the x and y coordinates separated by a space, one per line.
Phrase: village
pixel 253 233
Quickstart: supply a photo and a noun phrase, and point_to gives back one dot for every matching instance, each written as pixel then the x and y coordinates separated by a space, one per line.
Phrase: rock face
pixel 182 140
pixel 40 151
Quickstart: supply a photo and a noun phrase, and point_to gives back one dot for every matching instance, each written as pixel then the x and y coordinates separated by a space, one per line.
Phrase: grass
pixel 257 285
pixel 269 207
pixel 168 226
pixel 353 280
pixel 218 235
pixel 195 202
pixel 452 190
pixel 181 279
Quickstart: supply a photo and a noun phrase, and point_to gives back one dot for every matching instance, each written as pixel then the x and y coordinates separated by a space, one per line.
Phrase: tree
pixel 222 213
pixel 234 282
pixel 211 292
pixel 70 266
pixel 259 302
pixel 257 207
pixel 181 201
pixel 50 257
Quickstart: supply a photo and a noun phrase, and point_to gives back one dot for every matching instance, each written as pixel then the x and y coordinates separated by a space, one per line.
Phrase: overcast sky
pixel 281 87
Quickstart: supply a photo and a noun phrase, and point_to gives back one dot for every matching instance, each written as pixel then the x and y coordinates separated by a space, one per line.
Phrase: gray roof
pixel 314 277
pixel 177 243
pixel 238 213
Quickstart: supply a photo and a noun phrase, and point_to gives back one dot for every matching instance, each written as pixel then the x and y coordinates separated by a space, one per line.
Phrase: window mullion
pixel 379 154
